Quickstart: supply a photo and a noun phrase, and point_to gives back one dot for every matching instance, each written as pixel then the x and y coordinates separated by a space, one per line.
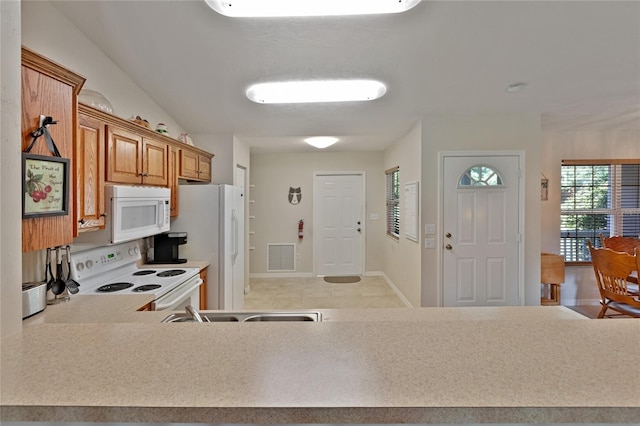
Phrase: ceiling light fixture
pixel 321 142
pixel 515 87
pixel 273 8
pixel 293 92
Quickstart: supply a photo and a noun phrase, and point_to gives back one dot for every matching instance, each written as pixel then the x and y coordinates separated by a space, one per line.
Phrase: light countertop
pixel 101 361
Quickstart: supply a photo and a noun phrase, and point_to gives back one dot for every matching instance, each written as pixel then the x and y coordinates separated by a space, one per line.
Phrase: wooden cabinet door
pixel 188 164
pixel 47 89
pixel 204 168
pixel 155 158
pixel 174 165
pixel 124 156
pixel 90 150
pixel 194 166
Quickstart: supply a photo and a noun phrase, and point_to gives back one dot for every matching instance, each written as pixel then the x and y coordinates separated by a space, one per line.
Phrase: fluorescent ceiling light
pixel 273 8
pixel 321 141
pixel 293 92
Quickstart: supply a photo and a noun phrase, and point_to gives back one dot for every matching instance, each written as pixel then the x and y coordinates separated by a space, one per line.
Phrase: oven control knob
pixel 136 250
pixel 80 266
pixel 130 252
pixel 89 264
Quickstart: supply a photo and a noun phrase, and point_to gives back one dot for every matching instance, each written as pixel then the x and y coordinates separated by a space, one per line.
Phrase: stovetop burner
pixel 109 288
pixel 144 272
pixel 146 287
pixel 171 273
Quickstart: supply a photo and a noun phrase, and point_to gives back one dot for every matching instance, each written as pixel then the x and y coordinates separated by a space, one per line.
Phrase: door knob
pixel 448 235
pixel 358 222
pixel 358 229
pixel 448 247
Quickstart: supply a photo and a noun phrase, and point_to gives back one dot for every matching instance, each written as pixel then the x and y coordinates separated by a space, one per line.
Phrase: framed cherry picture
pixel 45 186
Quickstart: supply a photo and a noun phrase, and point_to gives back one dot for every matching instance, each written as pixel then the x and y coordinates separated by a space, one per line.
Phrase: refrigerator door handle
pixel 234 241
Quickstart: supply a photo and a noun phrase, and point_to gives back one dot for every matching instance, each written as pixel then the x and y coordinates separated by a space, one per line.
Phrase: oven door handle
pixel 176 295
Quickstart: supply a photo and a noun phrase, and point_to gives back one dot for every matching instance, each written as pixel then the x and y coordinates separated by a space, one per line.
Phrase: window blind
pixel 393 202
pixel 600 197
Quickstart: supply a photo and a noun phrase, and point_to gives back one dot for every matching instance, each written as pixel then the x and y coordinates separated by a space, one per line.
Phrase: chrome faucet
pixel 191 311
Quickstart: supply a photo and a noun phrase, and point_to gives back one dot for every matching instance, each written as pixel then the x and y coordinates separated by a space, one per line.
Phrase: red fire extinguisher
pixel 300 228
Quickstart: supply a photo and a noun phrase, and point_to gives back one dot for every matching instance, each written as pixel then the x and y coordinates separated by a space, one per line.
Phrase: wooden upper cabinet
pixel 90 155
pixel 204 168
pixel 195 166
pixel 188 165
pixel 124 156
pixel 51 90
pixel 155 162
pixel 134 159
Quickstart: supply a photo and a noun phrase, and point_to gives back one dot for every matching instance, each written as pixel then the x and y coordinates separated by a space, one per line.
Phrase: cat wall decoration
pixel 295 195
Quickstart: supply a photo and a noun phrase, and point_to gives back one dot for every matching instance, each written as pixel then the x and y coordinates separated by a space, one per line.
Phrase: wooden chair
pixel 618 243
pixel 625 245
pixel 612 269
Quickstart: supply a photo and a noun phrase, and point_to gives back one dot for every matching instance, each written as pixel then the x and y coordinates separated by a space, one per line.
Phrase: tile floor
pixel 315 293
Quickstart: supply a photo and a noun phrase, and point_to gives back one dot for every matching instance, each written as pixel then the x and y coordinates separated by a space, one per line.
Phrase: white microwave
pixel 133 212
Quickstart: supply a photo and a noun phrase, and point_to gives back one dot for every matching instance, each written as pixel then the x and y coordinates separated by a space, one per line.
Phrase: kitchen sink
pixel 246 316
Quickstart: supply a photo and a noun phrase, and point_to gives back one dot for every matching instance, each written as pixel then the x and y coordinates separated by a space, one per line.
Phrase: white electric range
pixel 114 270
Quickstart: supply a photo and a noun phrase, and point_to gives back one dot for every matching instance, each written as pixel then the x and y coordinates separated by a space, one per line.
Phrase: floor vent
pixel 281 257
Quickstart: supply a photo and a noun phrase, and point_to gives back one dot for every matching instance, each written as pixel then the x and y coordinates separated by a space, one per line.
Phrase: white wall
pixel 10 147
pixel 402 256
pixel 276 221
pixel 580 285
pixel 481 133
pixel 46 31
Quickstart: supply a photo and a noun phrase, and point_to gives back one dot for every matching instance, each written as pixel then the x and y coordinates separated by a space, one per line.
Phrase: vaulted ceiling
pixel 580 60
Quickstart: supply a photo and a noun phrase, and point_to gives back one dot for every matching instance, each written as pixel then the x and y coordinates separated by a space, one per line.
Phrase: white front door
pixel 481 230
pixel 338 224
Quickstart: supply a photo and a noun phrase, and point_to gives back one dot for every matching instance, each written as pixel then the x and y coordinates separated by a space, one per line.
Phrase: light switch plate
pixel 429 243
pixel 374 216
pixel 430 229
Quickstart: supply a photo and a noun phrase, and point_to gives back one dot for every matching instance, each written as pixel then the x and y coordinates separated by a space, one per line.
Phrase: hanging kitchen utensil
pixel 72 285
pixel 58 285
pixel 48 274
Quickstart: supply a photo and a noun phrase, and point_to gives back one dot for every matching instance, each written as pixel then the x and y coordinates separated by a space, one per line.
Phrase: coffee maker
pixel 165 247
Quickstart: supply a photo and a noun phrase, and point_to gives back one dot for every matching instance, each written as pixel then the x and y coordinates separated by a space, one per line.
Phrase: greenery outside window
pixel 597 197
pixel 393 202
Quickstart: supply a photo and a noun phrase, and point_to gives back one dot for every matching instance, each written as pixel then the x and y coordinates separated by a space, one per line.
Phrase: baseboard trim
pixel 581 302
pixel 397 291
pixel 281 275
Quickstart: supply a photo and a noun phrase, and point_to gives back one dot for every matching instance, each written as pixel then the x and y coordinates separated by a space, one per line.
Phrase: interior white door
pixel 481 231
pixel 339 224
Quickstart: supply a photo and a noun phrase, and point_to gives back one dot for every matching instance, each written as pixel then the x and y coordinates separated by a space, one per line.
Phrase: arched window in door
pixel 480 175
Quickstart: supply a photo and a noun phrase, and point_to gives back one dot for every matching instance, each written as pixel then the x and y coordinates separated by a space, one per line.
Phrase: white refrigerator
pixel 213 217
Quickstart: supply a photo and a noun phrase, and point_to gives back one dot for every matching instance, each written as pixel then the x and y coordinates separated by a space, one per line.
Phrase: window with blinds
pixel 597 197
pixel 393 202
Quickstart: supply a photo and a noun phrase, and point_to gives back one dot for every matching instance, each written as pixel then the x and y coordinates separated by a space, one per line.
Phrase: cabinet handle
pixel 82 221
pixel 103 215
pixel 144 174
